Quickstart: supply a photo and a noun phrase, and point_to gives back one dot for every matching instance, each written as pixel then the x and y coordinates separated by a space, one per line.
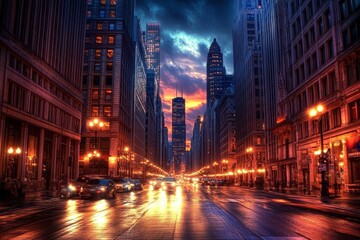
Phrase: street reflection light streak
pixel 99 219
pixel 73 216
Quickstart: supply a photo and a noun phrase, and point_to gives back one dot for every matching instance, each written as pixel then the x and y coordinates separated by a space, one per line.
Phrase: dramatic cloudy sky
pixel 188 27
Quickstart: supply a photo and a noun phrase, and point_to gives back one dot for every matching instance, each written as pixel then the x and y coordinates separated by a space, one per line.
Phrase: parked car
pixel 137 184
pixel 69 189
pixel 98 188
pixel 123 184
pixel 169 184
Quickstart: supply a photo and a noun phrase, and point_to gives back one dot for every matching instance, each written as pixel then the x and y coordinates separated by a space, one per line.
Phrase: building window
pixel 103 2
pixel 88 13
pixel 110 54
pixel 113 2
pixel 326 121
pixel 96 80
pixel 89 2
pixel 95 111
pixel 354 110
pixel 108 80
pixel 97 67
pixel 337 117
pixel 112 14
pixel 98 39
pixel 330 48
pixel 111 39
pixel 97 54
pixel 95 94
pixel 102 13
pixel 306 128
pixel 108 94
pixel 109 66
pixel 107 111
pixel 111 26
pixel 99 26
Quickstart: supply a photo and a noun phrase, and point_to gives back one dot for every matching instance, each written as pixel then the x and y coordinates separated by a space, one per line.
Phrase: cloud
pixel 187 31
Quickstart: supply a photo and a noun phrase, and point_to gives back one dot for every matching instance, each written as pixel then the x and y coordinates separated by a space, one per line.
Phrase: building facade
pixel 249 99
pixel 41 54
pixel 108 88
pixel 323 59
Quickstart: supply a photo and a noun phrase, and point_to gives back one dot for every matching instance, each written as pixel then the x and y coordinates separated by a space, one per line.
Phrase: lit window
pixel 99 26
pixel 112 14
pixel 89 2
pixel 88 13
pixel 103 2
pixel 97 54
pixel 108 94
pixel 113 2
pixel 111 39
pixel 98 39
pixel 95 94
pixel 109 66
pixel 107 111
pixel 112 26
pixel 110 53
pixel 95 111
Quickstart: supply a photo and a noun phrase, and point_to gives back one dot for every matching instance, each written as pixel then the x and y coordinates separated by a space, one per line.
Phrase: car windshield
pixel 82 179
pixel 94 181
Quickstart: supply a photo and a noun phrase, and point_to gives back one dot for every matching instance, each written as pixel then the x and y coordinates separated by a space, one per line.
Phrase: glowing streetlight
pixel 316 113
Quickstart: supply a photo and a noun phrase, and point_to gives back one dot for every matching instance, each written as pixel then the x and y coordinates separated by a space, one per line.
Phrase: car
pixel 123 184
pixel 137 184
pixel 169 184
pixel 72 188
pixel 155 182
pixel 98 188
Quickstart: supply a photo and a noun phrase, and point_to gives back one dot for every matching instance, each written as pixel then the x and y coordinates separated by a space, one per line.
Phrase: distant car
pixel 98 188
pixel 137 184
pixel 123 184
pixel 72 188
pixel 168 184
pixel 155 182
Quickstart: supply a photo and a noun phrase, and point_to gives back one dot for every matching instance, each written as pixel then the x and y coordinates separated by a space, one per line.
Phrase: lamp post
pixel 316 113
pixel 12 164
pixel 96 125
pixel 250 150
pixel 127 168
pixel 224 163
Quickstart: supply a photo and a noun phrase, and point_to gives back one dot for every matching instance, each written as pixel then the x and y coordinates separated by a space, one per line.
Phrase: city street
pixel 192 212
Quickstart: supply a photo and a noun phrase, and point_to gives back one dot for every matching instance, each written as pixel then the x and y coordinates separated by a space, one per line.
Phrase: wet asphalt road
pixel 192 212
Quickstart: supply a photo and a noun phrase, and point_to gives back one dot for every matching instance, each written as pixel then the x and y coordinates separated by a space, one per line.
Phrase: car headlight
pixel 72 187
pixel 173 184
pixel 103 189
pixel 162 184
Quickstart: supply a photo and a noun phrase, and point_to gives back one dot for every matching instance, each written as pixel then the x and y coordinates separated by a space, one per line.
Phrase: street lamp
pixel 316 114
pixel 12 165
pixel 250 150
pixel 126 149
pixel 224 162
pixel 96 125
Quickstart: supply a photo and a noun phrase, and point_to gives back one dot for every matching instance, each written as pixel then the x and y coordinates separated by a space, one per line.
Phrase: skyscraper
pixel 215 73
pixel 153 63
pixel 153 51
pixel 178 132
